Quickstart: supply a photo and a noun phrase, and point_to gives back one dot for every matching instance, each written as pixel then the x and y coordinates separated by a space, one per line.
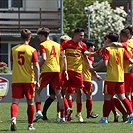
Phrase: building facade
pixel 31 14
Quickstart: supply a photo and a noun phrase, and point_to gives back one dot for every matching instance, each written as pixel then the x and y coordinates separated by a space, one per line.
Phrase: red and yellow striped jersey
pixel 74 52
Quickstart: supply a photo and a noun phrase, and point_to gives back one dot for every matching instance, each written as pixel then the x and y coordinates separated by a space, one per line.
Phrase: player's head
pixel 111 37
pixel 64 38
pixel 125 35
pixel 130 28
pixel 43 31
pixel 25 34
pixel 78 34
pixel 90 45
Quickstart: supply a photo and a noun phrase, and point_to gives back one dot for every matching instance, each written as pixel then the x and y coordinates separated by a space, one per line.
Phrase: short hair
pixel 113 36
pixel 64 38
pixel 89 43
pixel 43 31
pixel 78 30
pixel 125 33
pixel 25 34
pixel 130 28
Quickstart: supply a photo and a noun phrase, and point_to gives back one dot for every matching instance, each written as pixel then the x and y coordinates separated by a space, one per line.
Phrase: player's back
pixel 115 70
pixel 52 63
pixel 22 64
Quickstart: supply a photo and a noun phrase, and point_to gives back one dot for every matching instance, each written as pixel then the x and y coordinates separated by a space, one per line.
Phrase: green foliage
pixel 4 70
pixel 74 14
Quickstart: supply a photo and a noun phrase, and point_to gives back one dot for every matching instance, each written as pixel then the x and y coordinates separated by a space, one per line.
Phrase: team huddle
pixel 68 68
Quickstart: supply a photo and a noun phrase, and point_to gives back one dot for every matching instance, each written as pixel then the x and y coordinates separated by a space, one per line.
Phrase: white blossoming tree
pixel 104 18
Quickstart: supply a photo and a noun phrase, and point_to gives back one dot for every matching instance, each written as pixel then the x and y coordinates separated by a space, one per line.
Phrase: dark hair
pixel 130 28
pixel 78 30
pixel 89 43
pixel 25 34
pixel 112 36
pixel 125 33
pixel 43 31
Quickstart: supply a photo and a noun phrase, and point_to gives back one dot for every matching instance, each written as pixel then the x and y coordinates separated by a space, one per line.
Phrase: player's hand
pixel 66 75
pixel 37 85
pixel 98 77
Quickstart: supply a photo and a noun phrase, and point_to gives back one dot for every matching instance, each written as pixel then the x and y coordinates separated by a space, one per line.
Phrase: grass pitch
pixel 51 126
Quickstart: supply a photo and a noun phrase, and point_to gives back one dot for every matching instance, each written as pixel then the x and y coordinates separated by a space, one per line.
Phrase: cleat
pixel 37 117
pixel 116 117
pixel 102 121
pixel 61 120
pixel 124 117
pixel 45 118
pixel 30 127
pixel 69 112
pixel 92 116
pixel 130 120
pixel 79 116
pixel 13 125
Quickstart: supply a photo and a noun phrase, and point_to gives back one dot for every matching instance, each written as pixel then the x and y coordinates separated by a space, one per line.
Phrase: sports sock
pixel 89 106
pixel 79 107
pixel 127 105
pixel 14 110
pixel 62 113
pixel 119 106
pixel 112 105
pixel 30 113
pixel 38 106
pixel 48 102
pixel 58 109
pixel 106 108
pixel 70 102
pixel 66 103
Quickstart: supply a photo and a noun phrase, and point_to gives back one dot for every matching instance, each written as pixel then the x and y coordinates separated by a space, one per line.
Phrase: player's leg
pixel 30 113
pixel 14 112
pixel 61 105
pixel 79 104
pixel 38 114
pixel 48 102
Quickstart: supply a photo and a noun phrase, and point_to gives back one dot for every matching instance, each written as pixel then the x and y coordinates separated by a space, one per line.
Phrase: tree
pixel 74 14
pixel 103 18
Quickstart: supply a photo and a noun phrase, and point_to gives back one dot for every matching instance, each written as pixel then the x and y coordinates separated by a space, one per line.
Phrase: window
pixel 11 4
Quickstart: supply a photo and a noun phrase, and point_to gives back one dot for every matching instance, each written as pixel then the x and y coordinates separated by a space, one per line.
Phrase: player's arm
pixel 43 55
pixel 36 68
pixel 90 53
pixel 65 63
pixel 37 73
pixel 42 59
pixel 102 64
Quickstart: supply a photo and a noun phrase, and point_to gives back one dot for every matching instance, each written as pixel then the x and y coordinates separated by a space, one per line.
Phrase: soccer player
pixel 74 50
pixel 52 96
pixel 50 52
pixel 24 60
pixel 113 58
pixel 87 75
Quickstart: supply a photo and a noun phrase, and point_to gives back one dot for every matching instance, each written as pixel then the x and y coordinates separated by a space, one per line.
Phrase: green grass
pixel 52 126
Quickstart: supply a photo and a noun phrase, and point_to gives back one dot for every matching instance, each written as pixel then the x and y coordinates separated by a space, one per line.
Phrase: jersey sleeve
pixel 42 49
pixel 91 58
pixel 124 45
pixel 126 55
pixel 105 54
pixel 34 56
